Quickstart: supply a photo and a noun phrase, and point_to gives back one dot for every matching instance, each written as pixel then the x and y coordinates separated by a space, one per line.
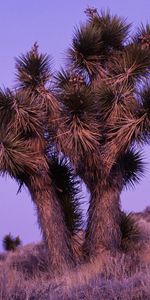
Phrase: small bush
pixel 130 230
pixel 10 243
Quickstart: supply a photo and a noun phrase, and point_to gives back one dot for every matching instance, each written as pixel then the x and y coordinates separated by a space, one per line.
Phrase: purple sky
pixel 51 23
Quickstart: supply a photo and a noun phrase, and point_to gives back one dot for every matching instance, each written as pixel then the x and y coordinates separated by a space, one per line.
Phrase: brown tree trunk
pixel 103 228
pixel 51 222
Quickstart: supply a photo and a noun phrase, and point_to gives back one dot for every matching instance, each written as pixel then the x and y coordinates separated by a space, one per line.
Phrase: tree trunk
pixel 103 229
pixel 51 222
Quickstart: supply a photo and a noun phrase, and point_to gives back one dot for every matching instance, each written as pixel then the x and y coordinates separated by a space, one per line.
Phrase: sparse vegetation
pixel 10 243
pixel 131 233
pixel 121 277
pixel 83 124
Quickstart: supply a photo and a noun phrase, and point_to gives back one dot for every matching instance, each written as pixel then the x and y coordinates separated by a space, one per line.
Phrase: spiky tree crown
pixel 33 69
pixel 25 117
pixel 104 109
pixel 100 109
pixel 99 105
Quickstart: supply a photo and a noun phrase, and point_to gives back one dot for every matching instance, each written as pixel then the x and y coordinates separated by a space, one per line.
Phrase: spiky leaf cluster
pixel 79 130
pixel 94 41
pixel 17 158
pixel 142 36
pixel 22 124
pixel 144 98
pixel 33 72
pixel 130 166
pixel 130 232
pixel 130 65
pixel 6 107
pixel 20 112
pixel 33 69
pixel 114 29
pixel 67 187
pixel 87 49
pixel 114 103
pixel 25 118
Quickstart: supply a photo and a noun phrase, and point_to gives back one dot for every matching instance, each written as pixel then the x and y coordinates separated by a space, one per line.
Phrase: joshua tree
pixel 84 123
pixel 28 126
pixel 105 113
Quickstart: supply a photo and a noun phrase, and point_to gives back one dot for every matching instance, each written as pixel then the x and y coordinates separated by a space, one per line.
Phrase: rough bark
pixel 103 229
pixel 51 222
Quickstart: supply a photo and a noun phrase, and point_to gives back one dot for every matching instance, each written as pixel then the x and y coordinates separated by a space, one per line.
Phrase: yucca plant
pixel 28 128
pixel 85 124
pixel 105 113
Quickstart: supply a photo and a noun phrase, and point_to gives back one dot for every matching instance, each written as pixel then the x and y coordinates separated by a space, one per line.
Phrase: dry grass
pixel 24 275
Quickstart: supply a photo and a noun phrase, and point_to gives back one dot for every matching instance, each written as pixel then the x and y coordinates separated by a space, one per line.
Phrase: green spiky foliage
pixel 33 73
pixel 142 36
pixel 130 233
pixel 22 123
pixel 131 167
pixel 78 132
pixel 10 243
pixel 33 69
pixel 94 41
pixel 67 187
